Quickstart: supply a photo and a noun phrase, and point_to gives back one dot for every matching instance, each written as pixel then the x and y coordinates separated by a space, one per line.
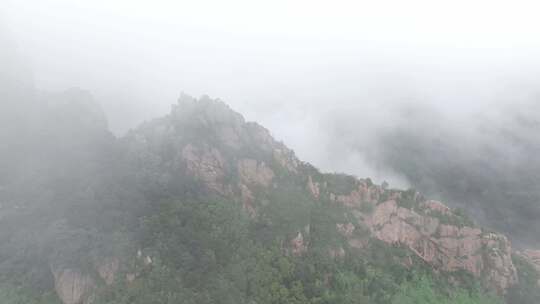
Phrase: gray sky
pixel 294 66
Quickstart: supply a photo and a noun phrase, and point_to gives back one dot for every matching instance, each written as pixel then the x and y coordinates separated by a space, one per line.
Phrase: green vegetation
pixel 10 294
pixel 424 291
pixel 208 251
pixel 454 219
pixel 367 208
pixel 341 184
pixel 527 290
pixel 408 199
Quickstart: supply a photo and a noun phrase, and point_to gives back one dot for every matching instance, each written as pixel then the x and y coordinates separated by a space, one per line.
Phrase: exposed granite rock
pixel 533 256
pixel 206 164
pixel 351 200
pixel 363 193
pixel 107 269
pixel 298 245
pixel 252 172
pixel 72 286
pixel 437 206
pixel 446 247
pixel 286 159
pixel 313 188
pixel 500 269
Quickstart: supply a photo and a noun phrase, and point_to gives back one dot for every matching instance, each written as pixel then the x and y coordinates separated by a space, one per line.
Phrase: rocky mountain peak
pixel 205 111
pixel 233 158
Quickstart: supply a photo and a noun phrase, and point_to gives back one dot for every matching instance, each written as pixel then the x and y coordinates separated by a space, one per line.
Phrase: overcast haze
pixel 321 75
pixel 388 153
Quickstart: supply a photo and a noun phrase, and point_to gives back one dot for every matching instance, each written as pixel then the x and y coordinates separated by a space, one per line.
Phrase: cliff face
pixel 73 286
pixel 426 230
pixel 205 142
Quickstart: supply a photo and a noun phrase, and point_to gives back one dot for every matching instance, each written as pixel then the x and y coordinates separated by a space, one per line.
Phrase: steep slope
pixel 201 206
pixel 241 160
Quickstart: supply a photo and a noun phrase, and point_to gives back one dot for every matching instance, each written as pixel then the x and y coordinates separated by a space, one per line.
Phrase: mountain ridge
pixel 209 168
pixel 116 228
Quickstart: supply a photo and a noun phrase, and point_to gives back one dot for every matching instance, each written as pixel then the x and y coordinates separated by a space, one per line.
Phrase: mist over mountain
pixel 399 165
pixel 202 206
pixel 485 162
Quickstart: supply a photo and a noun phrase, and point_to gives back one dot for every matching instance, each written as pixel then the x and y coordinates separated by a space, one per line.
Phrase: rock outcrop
pixel 207 165
pixel 286 158
pixel 107 269
pixel 314 188
pixel 533 257
pixel 73 286
pixel 298 244
pixel 255 173
pixel 361 194
pixel 444 246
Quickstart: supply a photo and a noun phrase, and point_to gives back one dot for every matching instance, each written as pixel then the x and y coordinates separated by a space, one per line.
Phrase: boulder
pixel 73 286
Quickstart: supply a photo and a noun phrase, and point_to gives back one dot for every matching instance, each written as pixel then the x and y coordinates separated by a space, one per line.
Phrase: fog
pixel 330 79
pixel 300 60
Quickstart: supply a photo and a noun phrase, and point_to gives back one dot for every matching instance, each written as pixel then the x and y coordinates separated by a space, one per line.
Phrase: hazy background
pixel 437 95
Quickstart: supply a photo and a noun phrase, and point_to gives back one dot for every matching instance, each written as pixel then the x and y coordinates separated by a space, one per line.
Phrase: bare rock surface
pixel 254 172
pixel 533 257
pixel 72 286
pixel 444 246
pixel 107 269
pixel 298 244
pixel 206 164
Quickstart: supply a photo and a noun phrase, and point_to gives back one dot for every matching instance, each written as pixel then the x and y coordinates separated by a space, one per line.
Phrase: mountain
pixel 200 206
